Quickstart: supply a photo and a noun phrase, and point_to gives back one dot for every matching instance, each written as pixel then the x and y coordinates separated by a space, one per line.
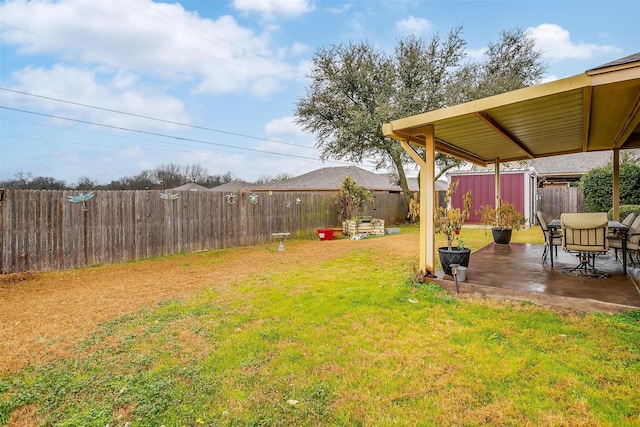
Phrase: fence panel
pixel 45 230
pixel 553 201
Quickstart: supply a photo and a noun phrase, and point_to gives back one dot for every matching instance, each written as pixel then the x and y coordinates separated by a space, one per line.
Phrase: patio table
pixel 615 226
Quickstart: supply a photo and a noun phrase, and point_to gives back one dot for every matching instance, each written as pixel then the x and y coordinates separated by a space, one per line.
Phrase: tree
pixel 169 176
pixel 266 179
pixel 216 180
pixel 86 183
pixel 510 64
pixel 196 174
pixel 19 182
pixel 352 199
pixel 355 88
pixel 145 180
pixel 597 185
pixel 26 181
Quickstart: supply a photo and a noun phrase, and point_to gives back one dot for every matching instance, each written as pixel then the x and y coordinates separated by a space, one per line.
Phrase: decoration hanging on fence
pixel 253 199
pixel 231 199
pixel 81 198
pixel 288 203
pixel 298 201
pixel 168 196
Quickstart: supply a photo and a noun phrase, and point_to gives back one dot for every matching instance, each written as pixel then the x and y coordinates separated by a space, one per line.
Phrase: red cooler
pixel 325 233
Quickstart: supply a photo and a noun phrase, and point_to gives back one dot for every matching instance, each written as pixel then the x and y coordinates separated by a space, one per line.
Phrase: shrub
pixel 505 217
pixel 597 187
pixel 352 199
pixel 625 210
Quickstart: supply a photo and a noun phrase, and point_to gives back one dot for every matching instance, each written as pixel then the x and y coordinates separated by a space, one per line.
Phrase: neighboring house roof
pixel 191 186
pixel 569 164
pixel 235 185
pixel 330 179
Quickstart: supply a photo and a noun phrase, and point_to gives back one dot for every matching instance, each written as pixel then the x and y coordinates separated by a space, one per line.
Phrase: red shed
pixel 517 186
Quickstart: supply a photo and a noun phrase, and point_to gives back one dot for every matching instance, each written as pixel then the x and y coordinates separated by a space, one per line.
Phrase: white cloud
pixel 298 142
pixel 299 48
pixel 557 44
pixel 413 25
pixel 269 8
pixel 338 9
pixel 119 92
pixel 282 128
pixel 159 39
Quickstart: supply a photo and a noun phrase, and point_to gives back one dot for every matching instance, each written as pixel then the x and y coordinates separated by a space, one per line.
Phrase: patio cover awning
pixel 595 111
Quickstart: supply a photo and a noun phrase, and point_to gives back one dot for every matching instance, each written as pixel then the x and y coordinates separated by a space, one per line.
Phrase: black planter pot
pixel 500 236
pixel 453 256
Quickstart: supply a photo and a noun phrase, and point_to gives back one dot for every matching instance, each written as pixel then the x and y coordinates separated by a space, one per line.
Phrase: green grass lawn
pixel 349 342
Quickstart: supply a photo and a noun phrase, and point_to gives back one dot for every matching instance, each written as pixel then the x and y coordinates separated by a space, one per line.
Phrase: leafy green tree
pixel 511 63
pixel 597 186
pixel 356 87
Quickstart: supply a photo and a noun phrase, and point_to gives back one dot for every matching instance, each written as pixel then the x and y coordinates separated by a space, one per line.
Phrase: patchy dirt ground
pixel 43 314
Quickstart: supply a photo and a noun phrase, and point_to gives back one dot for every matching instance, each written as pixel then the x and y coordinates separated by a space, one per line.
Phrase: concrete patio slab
pixel 516 271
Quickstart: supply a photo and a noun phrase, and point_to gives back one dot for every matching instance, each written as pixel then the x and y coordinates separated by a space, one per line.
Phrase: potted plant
pixel 448 221
pixel 502 220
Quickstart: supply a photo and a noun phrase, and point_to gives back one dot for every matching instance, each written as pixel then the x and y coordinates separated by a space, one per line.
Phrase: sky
pixel 105 89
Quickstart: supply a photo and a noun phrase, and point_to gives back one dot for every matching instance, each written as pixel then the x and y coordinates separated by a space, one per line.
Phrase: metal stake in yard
pixel 454 273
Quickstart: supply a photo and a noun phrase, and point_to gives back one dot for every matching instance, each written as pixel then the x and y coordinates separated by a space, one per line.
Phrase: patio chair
pixel 585 235
pixel 633 241
pixel 548 243
pixel 615 240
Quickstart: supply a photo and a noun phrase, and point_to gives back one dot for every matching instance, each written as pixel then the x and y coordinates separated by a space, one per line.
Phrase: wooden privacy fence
pixel 553 201
pixel 45 230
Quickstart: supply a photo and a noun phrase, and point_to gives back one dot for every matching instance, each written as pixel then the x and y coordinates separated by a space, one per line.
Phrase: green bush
pixel 597 185
pixel 625 210
pixel 352 199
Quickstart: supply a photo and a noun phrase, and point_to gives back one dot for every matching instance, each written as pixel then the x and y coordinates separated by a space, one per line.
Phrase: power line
pixel 25 138
pixel 66 129
pixel 159 120
pixel 159 134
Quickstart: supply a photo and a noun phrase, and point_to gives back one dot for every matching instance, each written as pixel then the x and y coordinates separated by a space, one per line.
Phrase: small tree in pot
pixel 448 221
pixel 502 220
